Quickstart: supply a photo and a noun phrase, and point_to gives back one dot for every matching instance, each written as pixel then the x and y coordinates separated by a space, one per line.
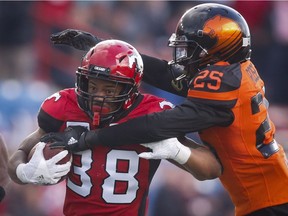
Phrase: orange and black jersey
pixel 255 171
pixel 227 106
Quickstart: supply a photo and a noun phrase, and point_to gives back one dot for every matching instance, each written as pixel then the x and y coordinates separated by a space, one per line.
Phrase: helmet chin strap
pixel 97 110
pixel 96 119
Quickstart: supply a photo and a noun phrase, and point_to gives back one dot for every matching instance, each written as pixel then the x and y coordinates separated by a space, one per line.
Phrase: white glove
pixel 167 149
pixel 43 172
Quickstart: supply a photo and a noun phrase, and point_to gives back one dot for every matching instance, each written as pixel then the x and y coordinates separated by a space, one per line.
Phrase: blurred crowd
pixel 32 68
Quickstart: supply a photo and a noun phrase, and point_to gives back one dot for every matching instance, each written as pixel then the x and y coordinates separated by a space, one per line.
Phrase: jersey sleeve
pixel 183 119
pixel 49 117
pixel 158 74
pixel 211 96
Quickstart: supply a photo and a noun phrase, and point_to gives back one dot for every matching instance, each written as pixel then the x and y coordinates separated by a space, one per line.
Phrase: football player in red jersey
pixel 104 180
pixel 225 103
pixel 4 178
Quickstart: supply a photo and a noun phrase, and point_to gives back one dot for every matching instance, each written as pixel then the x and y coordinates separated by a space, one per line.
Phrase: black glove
pixel 78 39
pixel 72 139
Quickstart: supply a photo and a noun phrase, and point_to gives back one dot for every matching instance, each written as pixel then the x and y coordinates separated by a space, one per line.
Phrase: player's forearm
pixel 157 126
pixel 17 158
pixel 203 165
pixel 157 73
pixel 21 155
pixel 135 131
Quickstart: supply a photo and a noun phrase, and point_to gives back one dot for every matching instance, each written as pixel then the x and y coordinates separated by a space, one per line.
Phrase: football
pixel 49 153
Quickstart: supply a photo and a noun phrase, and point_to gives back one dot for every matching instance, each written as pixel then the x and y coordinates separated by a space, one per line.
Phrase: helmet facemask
pixel 209 33
pixel 103 109
pixel 187 53
pixel 108 80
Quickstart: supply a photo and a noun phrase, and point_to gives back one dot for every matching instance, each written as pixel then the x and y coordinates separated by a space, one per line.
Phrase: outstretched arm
pixel 183 119
pixel 157 72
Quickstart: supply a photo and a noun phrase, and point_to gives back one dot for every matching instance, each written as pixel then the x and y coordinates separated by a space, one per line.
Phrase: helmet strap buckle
pixel 96 119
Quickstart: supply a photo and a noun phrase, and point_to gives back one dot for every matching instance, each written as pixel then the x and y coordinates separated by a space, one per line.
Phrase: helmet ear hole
pixel 121 58
pixel 92 52
pixel 200 33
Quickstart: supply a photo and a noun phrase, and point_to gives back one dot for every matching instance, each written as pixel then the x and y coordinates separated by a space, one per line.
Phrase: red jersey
pixel 104 180
pixel 253 179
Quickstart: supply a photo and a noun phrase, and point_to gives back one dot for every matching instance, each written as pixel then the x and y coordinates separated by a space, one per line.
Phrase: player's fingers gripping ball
pixel 45 166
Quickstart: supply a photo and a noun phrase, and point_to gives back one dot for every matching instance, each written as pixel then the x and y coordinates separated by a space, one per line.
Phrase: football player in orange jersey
pixel 225 103
pixel 104 180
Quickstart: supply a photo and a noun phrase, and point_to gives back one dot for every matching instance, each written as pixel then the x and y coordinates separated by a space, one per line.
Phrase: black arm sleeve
pixel 185 118
pixel 157 73
pixel 47 122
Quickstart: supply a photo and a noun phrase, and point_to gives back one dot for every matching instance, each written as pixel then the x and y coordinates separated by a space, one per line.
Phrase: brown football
pixel 49 153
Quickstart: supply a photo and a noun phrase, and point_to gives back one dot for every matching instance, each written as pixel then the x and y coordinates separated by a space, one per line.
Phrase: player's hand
pixel 167 149
pixel 43 172
pixel 71 139
pixel 76 38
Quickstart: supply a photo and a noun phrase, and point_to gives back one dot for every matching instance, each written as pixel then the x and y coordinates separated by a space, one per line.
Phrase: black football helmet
pixel 209 33
pixel 115 61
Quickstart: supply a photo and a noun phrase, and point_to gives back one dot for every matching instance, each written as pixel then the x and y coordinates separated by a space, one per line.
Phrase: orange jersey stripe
pixel 215 96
